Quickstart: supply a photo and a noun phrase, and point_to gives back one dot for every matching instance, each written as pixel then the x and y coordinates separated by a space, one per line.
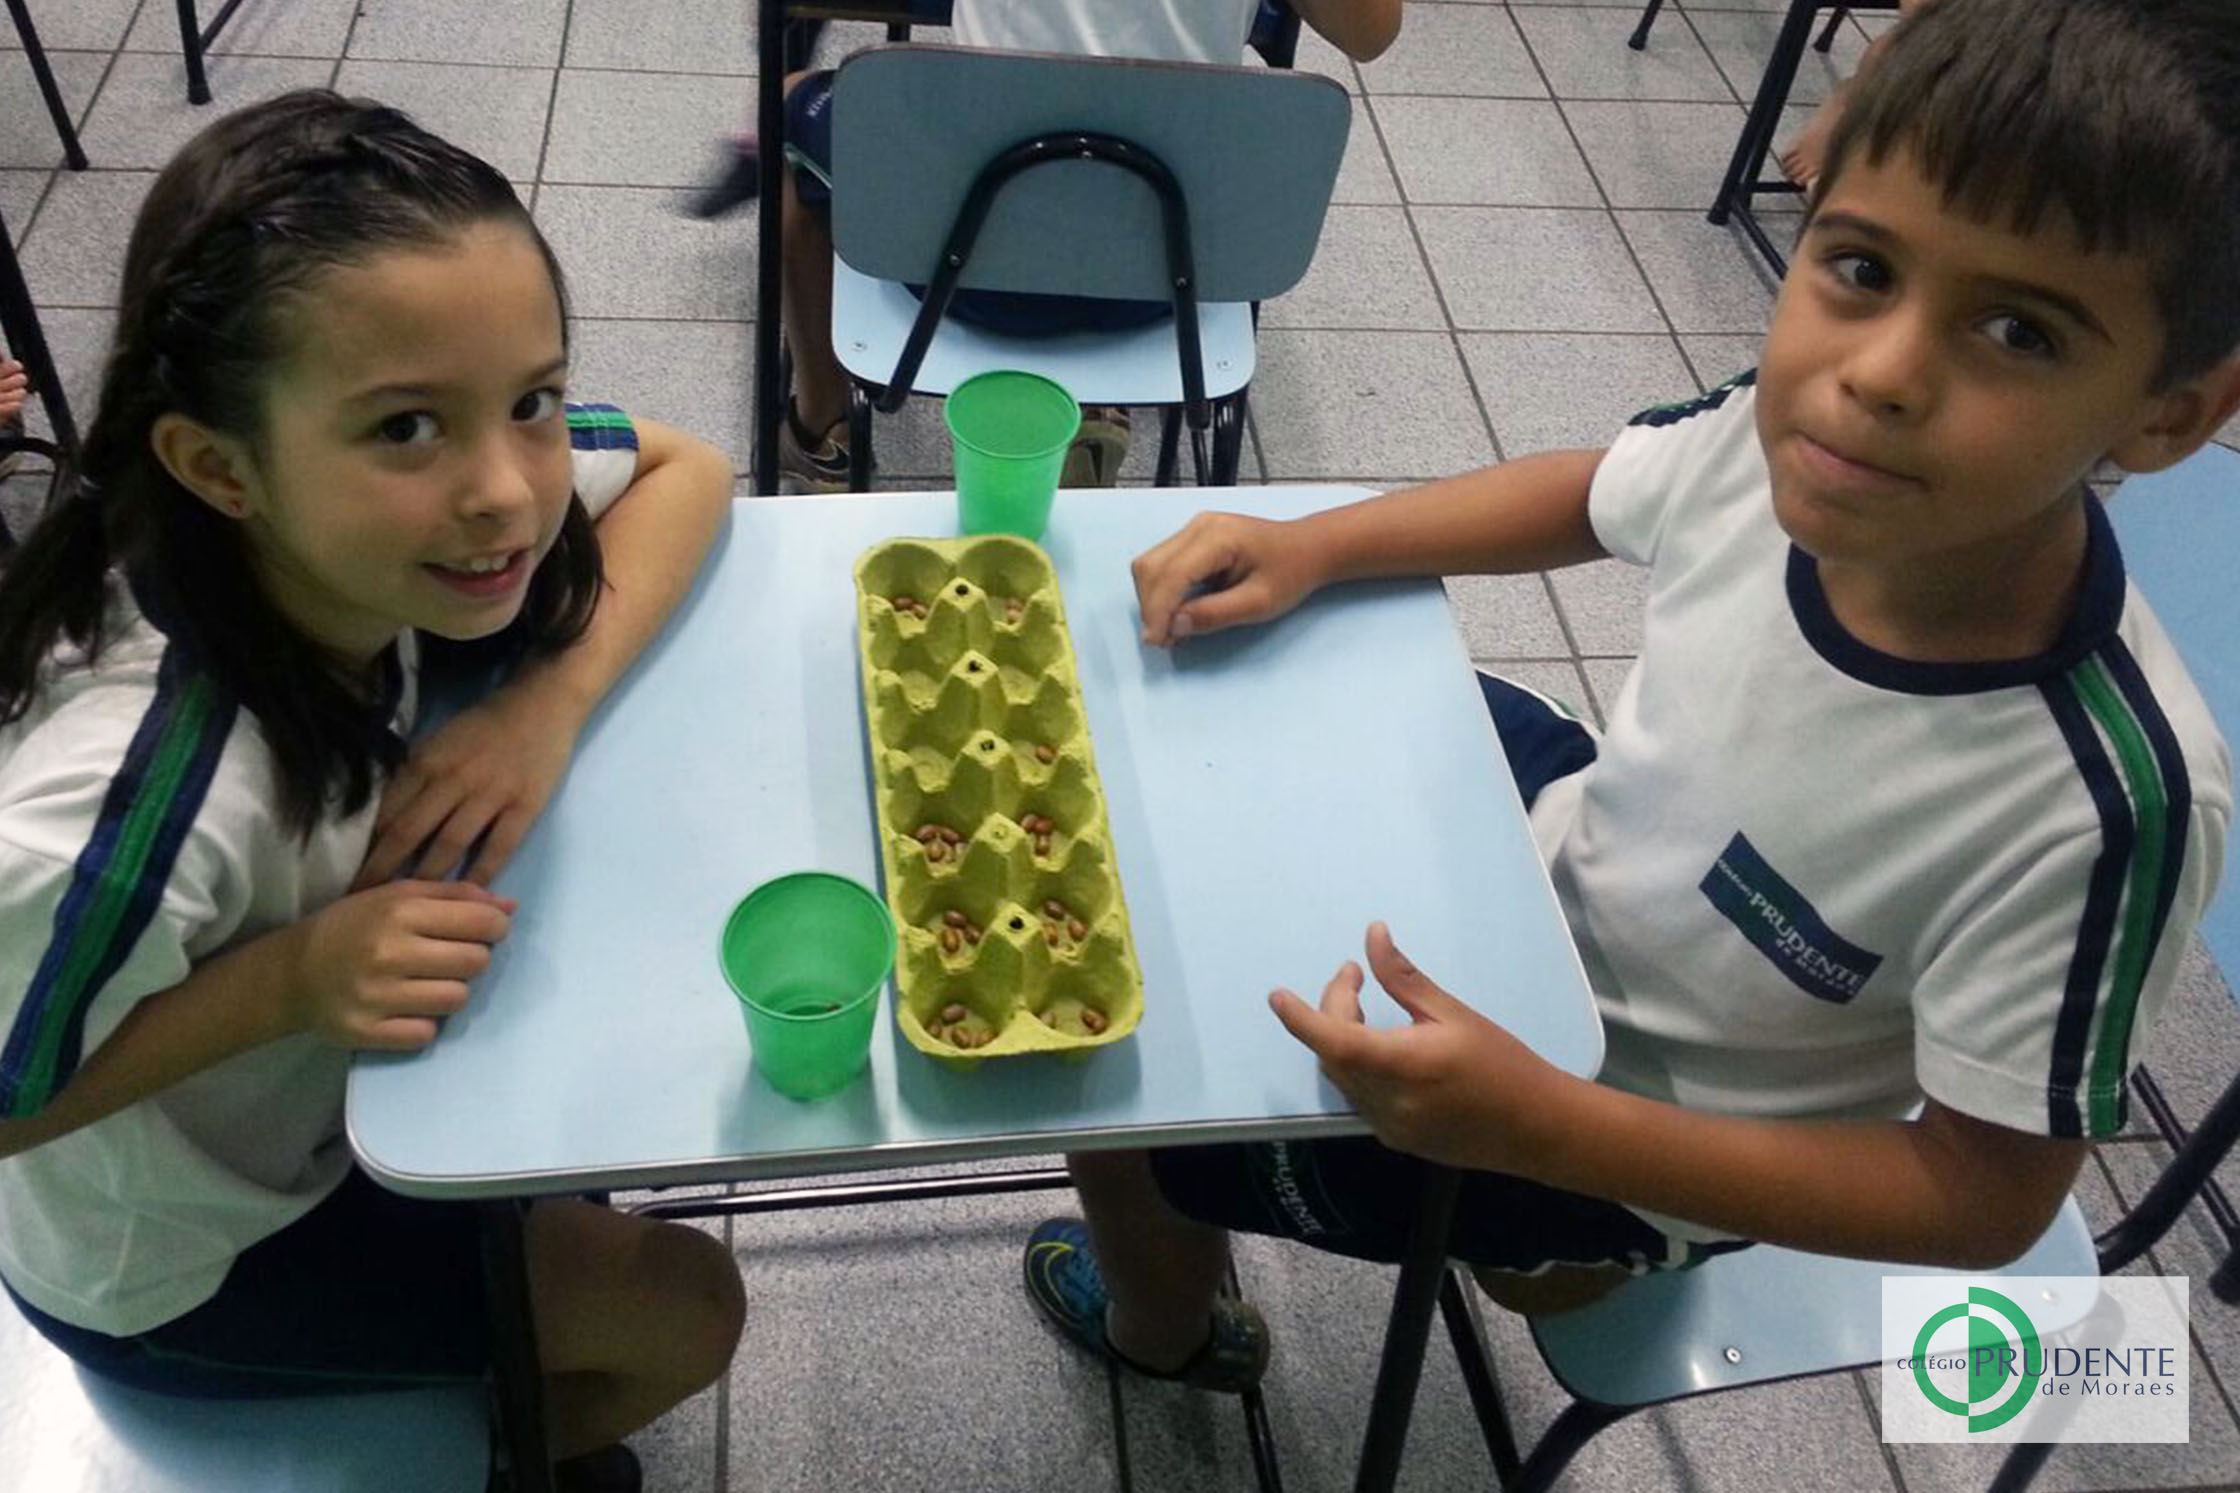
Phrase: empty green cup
pixel 1011 431
pixel 807 954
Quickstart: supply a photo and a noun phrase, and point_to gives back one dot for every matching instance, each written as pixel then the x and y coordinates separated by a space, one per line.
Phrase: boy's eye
pixel 2017 334
pixel 408 428
pixel 537 404
pixel 1860 271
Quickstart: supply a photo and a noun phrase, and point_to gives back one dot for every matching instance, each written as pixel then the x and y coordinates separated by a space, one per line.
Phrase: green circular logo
pixel 2004 1360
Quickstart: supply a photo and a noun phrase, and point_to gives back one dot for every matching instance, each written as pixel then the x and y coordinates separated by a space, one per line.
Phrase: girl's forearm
pixel 230 1004
pixel 1519 516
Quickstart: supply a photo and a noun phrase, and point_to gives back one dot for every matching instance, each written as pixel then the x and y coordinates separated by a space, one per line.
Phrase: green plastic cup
pixel 1011 431
pixel 807 954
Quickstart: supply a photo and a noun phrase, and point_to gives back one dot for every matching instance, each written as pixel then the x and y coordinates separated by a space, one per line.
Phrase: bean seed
pixel 954 918
pixel 1076 929
pixel 1050 1020
pixel 905 603
pixel 1046 753
pixel 937 1031
pixel 1042 846
pixel 1092 1022
pixel 951 940
pixel 971 934
pixel 951 836
pixel 1054 908
pixel 937 851
pixel 927 833
pixel 965 1038
pixel 1050 936
pixel 953 1013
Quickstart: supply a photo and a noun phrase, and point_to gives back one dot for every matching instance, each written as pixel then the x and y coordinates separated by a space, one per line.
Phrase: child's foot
pixel 1098 449
pixel 736 185
pixel 818 462
pixel 1063 1281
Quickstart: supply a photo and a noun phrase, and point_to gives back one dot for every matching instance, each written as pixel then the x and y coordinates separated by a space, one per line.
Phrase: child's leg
pixel 1802 161
pixel 1161 1268
pixel 633 1317
pixel 820 385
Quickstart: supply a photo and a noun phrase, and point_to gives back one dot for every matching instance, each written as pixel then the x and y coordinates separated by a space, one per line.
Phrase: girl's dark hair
pixel 245 218
pixel 2123 114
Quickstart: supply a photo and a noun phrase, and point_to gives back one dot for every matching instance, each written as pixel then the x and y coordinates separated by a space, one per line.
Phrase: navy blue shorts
pixel 1008 313
pixel 368 1291
pixel 1354 1196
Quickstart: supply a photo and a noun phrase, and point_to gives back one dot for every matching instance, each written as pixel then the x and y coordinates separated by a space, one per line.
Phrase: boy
pixel 813 436
pixel 1908 801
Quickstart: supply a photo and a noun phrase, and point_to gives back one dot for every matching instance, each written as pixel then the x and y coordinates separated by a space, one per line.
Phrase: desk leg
pixel 519 1380
pixel 769 394
pixel 1413 1301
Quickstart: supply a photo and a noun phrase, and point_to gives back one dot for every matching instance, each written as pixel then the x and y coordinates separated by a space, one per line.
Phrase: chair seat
pixel 1764 1313
pixel 66 1431
pixel 871 318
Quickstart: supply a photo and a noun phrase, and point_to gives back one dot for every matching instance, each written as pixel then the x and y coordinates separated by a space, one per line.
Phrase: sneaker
pixel 738 184
pixel 817 463
pixel 1065 1285
pixel 1097 451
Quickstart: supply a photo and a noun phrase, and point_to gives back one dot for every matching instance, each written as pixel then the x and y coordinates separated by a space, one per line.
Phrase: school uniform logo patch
pixel 1784 927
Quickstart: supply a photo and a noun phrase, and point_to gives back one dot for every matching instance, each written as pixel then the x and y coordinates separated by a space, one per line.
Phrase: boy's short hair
pixel 2123 114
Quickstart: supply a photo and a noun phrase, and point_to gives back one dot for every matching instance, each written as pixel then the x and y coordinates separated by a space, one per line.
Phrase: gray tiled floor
pixel 1518 261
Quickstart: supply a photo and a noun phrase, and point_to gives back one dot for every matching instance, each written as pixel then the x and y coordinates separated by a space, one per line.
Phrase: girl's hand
pixel 1453 1088
pixel 15 386
pixel 484 776
pixel 1223 570
pixel 376 968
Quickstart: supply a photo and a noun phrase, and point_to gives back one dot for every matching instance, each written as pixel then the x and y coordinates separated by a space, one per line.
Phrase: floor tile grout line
pixel 552 102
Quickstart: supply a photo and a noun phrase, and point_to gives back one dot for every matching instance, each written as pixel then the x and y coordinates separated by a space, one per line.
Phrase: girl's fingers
pixel 499 843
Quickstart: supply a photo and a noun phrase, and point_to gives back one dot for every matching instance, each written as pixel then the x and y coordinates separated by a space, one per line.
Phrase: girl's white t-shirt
pixel 132 1221
pixel 1167 30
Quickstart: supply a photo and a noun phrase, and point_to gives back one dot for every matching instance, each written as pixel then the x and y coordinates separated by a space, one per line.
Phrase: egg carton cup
pixel 997 851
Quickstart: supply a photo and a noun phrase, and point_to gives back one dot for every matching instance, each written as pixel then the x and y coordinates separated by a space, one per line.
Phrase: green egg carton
pixel 992 826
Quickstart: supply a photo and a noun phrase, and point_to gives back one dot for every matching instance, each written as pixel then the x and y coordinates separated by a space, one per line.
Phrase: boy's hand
pixel 484 776
pixel 376 968
pixel 1454 1088
pixel 1223 570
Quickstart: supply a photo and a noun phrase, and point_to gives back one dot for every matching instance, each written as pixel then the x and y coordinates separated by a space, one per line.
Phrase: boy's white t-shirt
pixel 1168 30
pixel 1810 879
pixel 139 837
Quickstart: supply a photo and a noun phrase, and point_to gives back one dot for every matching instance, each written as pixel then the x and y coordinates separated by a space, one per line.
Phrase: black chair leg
pixel 1228 439
pixel 27 343
pixel 190 42
pixel 859 440
pixel 1579 1424
pixel 2021 1466
pixel 72 152
pixel 1639 41
pixel 1828 32
pixel 1478 1379
pixel 1756 140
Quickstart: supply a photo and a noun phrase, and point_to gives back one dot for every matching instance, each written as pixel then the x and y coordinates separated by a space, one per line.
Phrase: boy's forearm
pixel 231 1003
pixel 651 543
pixel 1519 516
pixel 1889 1190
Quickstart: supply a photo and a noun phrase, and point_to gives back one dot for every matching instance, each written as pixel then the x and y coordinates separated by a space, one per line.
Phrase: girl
pixel 331 422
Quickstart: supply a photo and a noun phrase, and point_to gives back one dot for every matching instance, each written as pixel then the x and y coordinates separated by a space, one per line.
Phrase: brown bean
pixel 927 833
pixel 905 603
pixel 1046 753
pixel 1054 908
pixel 937 1031
pixel 1076 929
pixel 1051 935
pixel 951 940
pixel 951 836
pixel 971 933
pixel 953 1013
pixel 1042 846
pixel 965 1037
pixel 1050 1020
pixel 954 918
pixel 1092 1022
pixel 937 851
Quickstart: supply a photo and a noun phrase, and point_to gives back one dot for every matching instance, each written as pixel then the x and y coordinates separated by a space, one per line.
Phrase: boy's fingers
pixel 1335 1042
pixel 1341 998
pixel 1410 987
pixel 1161 590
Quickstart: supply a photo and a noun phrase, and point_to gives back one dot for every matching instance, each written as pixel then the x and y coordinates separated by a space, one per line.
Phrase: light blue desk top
pixel 1271 793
